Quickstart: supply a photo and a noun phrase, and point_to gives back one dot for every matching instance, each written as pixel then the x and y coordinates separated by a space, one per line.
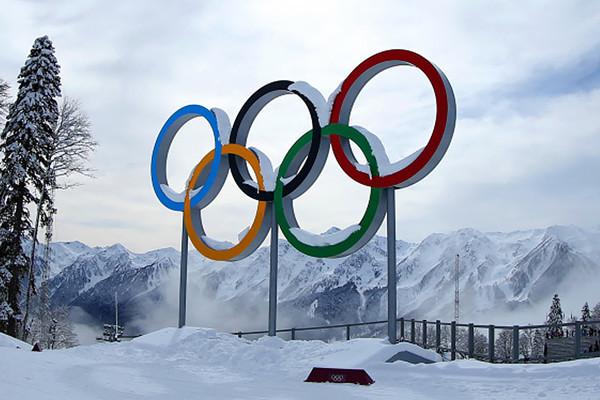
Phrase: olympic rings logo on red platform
pixel 303 162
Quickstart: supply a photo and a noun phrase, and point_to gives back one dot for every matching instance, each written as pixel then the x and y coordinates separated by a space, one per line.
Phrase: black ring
pixel 241 128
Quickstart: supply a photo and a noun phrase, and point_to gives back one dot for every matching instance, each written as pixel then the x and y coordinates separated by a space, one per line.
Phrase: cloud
pixel 525 80
pixel 248 312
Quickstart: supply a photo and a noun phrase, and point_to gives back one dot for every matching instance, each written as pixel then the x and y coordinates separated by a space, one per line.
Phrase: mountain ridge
pixel 510 271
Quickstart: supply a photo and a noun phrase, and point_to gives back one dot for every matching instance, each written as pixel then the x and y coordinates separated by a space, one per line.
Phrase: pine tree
pixel 537 347
pixel 526 343
pixel 504 345
pixel 26 140
pixel 480 343
pixel 555 318
pixel 5 275
pixel 585 313
pixel 596 312
pixel 585 317
pixel 570 330
pixel 4 99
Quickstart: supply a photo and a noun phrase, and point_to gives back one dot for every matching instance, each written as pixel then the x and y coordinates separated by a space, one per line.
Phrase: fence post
pixel 453 340
pixel 438 335
pixel 239 334
pixel 412 330
pixel 491 341
pixel 577 339
pixel 515 349
pixel 293 333
pixel 424 334
pixel 402 328
pixel 347 332
pixel 471 340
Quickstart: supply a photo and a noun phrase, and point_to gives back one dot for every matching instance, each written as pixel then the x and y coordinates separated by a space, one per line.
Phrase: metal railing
pixel 498 343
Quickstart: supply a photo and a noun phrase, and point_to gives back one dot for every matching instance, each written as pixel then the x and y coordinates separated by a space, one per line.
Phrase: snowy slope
pixel 498 272
pixel 11 342
pixel 195 363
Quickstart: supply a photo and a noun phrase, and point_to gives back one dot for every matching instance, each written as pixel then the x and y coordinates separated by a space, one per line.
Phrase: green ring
pixel 336 249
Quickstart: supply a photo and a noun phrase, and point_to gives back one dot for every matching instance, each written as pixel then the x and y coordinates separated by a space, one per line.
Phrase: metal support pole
pixel 293 333
pixel 424 334
pixel 491 341
pixel 347 332
pixel 471 340
pixel 453 340
pixel 273 275
pixel 183 274
pixel 438 334
pixel 515 349
pixel 116 317
pixel 402 334
pixel 577 338
pixel 391 264
pixel 412 330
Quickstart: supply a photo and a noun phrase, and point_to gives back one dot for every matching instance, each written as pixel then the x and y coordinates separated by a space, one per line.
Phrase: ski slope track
pixel 198 363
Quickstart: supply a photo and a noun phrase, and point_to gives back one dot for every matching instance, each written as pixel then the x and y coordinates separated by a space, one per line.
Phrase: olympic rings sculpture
pixel 303 162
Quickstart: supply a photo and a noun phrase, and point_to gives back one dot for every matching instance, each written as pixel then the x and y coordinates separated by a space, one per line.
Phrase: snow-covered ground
pixel 196 363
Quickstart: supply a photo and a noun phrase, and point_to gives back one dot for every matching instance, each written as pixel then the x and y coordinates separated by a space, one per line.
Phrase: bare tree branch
pixel 74 144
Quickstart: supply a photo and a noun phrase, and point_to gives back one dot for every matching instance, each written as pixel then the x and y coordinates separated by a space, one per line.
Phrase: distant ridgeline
pixel 514 271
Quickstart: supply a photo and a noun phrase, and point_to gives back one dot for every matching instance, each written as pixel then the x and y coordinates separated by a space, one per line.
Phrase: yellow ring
pixel 203 248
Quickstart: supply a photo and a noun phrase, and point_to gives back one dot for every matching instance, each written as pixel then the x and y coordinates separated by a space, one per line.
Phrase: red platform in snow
pixel 340 375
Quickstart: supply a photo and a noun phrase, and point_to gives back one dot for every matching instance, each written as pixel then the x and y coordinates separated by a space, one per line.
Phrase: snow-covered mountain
pixel 498 272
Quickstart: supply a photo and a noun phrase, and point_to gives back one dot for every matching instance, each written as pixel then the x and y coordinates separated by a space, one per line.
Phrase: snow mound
pixel 171 336
pixel 361 353
pixel 270 352
pixel 199 363
pixel 11 342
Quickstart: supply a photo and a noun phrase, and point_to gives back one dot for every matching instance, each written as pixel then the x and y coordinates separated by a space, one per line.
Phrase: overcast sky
pixel 526 149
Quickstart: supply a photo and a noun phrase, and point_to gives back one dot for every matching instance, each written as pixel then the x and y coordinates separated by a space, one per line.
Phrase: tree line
pixel 43 143
pixel 532 341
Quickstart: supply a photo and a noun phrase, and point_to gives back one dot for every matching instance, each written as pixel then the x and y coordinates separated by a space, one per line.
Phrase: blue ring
pixel 171 127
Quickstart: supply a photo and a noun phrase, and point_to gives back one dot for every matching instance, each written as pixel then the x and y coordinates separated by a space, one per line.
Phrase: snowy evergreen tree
pixel 26 141
pixel 570 330
pixel 462 339
pixel 526 343
pixel 504 345
pixel 585 317
pixel 555 318
pixel 4 99
pixel 537 347
pixel 585 313
pixel 479 341
pixel 596 313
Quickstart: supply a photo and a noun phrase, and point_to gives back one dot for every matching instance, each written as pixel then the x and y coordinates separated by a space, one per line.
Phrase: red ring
pixel 441 100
